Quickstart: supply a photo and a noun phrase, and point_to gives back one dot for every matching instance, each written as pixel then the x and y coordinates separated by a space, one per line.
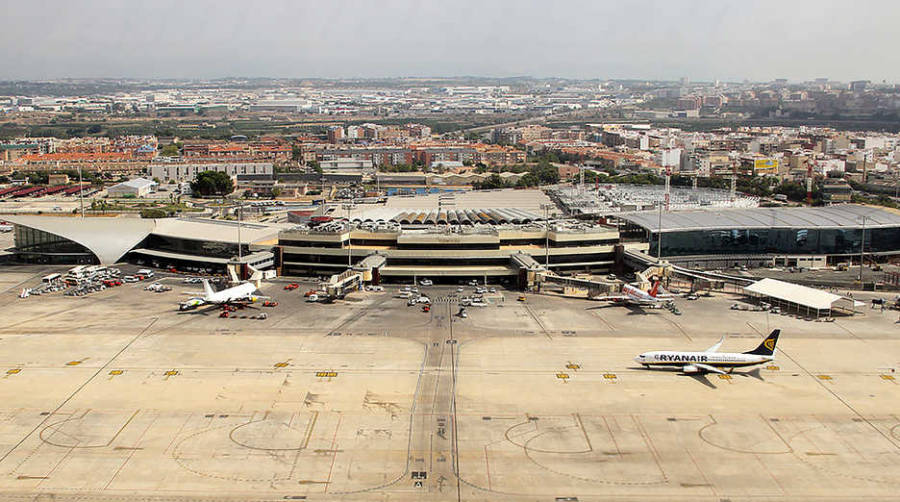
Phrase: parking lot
pixel 117 395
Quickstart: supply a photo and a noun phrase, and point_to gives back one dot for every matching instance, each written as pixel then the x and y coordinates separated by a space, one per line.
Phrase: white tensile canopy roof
pixel 794 293
pixel 108 238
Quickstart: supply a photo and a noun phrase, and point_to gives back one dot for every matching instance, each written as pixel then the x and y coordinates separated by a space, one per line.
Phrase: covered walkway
pixel 813 302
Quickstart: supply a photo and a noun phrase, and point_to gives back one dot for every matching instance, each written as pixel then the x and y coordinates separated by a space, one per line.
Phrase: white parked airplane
pixel 633 295
pixel 710 361
pixel 240 294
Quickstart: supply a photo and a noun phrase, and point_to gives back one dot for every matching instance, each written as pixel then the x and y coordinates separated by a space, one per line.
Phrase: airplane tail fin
pixel 207 289
pixel 655 289
pixel 767 347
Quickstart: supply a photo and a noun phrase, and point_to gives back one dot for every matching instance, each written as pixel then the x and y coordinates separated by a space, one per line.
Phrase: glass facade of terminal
pixel 193 247
pixel 37 246
pixel 830 241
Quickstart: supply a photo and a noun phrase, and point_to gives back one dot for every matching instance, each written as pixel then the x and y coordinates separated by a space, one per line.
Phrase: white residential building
pixel 179 171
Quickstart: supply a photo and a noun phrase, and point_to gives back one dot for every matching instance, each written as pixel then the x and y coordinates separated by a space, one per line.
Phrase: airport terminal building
pixel 755 236
pixel 458 243
pixel 449 251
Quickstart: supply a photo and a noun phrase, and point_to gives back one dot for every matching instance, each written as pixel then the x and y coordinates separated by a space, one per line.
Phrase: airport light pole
pixel 862 249
pixel 81 191
pixel 239 211
pixel 547 208
pixel 348 208
pixel 659 235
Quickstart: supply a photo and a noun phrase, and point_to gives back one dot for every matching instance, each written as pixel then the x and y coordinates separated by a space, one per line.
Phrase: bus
pixel 50 279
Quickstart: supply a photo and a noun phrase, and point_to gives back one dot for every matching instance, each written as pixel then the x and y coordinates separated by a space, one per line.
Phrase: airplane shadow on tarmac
pixel 702 377
pixel 632 309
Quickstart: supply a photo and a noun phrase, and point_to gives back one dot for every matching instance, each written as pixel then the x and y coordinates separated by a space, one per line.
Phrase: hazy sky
pixel 649 39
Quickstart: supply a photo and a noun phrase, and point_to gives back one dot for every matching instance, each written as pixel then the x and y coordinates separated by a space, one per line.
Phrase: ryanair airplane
pixel 711 361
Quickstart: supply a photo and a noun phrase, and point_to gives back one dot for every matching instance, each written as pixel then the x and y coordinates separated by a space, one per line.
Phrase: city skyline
pixel 699 40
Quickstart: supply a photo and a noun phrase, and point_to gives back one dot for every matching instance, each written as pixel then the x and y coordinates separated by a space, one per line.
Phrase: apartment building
pixel 187 171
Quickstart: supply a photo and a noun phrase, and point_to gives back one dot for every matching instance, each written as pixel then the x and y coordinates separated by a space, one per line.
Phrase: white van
pixel 146 272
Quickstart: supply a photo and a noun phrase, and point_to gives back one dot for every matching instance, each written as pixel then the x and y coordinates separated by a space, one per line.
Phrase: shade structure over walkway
pixel 802 298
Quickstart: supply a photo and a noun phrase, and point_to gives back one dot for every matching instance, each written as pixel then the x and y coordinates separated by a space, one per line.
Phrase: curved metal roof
pixel 848 216
pixel 108 238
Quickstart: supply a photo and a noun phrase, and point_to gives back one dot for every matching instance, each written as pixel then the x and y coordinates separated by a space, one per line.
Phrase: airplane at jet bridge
pixel 634 295
pixel 711 360
pixel 242 293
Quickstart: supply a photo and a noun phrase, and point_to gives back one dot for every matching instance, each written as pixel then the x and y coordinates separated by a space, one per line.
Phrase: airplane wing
pixel 247 299
pixel 708 368
pixel 715 347
pixel 619 298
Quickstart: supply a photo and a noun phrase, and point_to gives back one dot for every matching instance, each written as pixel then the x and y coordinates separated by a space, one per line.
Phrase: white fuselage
pixel 638 295
pixel 239 292
pixel 716 359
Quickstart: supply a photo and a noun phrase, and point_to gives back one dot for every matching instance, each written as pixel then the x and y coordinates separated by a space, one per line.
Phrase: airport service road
pixel 117 396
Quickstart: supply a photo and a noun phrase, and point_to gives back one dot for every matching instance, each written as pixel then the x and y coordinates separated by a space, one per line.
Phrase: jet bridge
pixel 532 275
pixel 339 285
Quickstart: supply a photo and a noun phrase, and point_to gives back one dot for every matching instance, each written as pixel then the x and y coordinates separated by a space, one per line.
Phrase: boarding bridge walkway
pixel 338 285
pixel 638 259
pixel 594 288
pixel 532 274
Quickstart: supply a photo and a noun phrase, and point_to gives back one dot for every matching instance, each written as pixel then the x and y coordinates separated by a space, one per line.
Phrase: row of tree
pixel 543 173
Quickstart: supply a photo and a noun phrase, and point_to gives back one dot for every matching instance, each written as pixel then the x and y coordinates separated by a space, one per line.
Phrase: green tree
pixel 212 183
pixel 170 150
pixel 38 178
pixel 154 213
pixel 493 181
